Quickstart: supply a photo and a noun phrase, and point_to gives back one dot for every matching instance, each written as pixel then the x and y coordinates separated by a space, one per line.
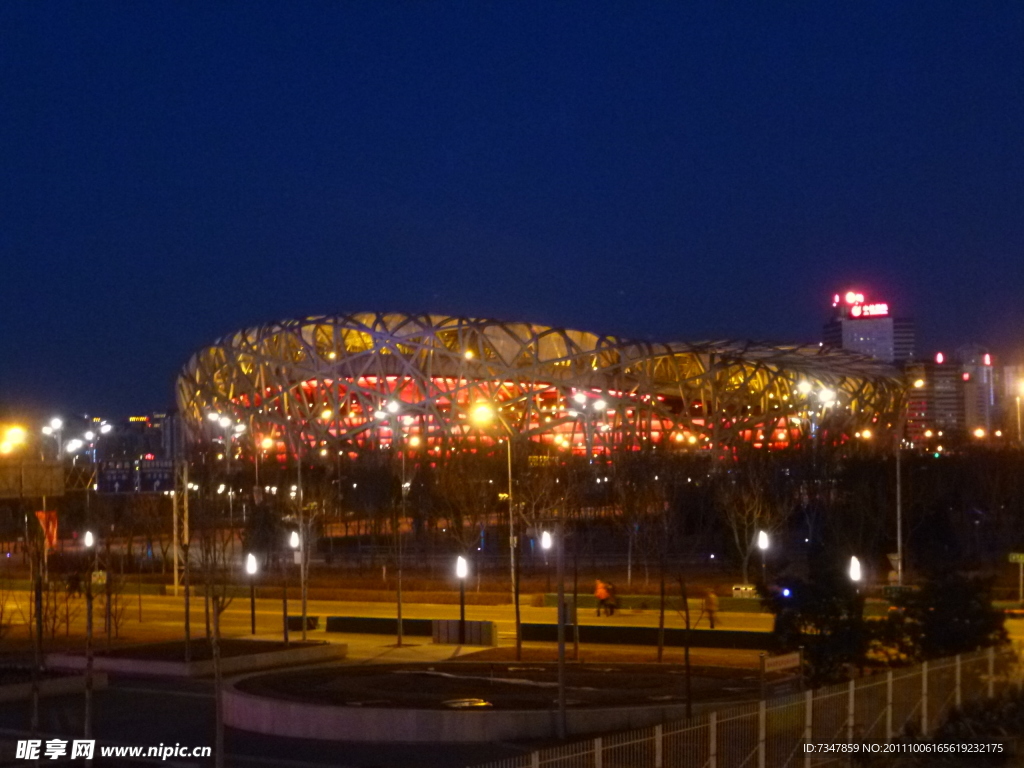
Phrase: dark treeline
pixel 960 511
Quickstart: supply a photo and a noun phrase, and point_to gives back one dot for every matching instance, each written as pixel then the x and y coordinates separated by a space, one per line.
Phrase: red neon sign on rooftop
pixel 858 308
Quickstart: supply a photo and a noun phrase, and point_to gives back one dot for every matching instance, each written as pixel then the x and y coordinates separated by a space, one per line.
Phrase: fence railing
pixel 772 733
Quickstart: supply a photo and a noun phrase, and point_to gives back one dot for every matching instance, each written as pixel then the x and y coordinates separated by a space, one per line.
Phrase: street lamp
pixel 482 415
pixel 1020 392
pixel 461 572
pixel 13 437
pixel 545 544
pixel 54 429
pixel 855 573
pixel 762 544
pixel 858 611
pixel 250 568
pixel 89 541
pixel 392 410
pixel 293 542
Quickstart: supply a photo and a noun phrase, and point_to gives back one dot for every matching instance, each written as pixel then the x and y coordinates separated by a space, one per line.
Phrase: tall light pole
pixel 293 542
pixel 545 544
pixel 89 542
pixel 251 567
pixel 392 412
pixel 762 544
pixel 560 576
pixel 1020 392
pixel 55 429
pixel 461 572
pixel 483 415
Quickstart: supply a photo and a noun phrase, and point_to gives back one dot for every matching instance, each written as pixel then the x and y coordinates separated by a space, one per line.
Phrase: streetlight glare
pixel 826 395
pixel 293 540
pixel 762 540
pixel 461 567
pixel 580 398
pixel 250 564
pixel 393 406
pixel 545 540
pixel 56 423
pixel 804 387
pixel 213 416
pixel 90 435
pixel 483 413
pixel 47 430
pixel 239 428
pixel 854 569
pixel 73 445
pixel 600 405
pixel 224 421
pixel 267 443
pixel 105 428
pixel 88 539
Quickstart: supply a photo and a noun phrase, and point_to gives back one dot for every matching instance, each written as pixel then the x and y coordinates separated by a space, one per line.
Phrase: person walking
pixel 602 595
pixel 711 606
pixel 611 603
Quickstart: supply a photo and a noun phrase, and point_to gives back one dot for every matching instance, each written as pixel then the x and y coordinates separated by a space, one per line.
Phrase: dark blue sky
pixel 174 171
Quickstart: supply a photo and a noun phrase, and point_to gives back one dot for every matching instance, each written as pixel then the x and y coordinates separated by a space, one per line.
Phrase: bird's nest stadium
pixel 444 384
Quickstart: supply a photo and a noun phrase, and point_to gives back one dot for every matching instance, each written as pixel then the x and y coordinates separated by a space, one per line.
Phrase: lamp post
pixel 1020 392
pixel 54 429
pixel 265 445
pixel 560 576
pixel 762 544
pixel 89 541
pixel 250 568
pixel 482 415
pixel 392 412
pixel 858 610
pixel 293 542
pixel 545 544
pixel 461 571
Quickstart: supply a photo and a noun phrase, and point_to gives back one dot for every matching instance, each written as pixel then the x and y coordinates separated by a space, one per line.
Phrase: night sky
pixel 174 171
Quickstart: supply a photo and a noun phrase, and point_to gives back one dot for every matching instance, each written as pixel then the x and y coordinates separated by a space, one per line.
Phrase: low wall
pixel 443 631
pixel 58 686
pixel 230 665
pixel 616 635
pixel 373 625
pixel 278 717
pixel 446 632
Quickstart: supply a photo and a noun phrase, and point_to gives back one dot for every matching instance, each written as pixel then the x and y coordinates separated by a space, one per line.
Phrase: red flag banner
pixel 48 521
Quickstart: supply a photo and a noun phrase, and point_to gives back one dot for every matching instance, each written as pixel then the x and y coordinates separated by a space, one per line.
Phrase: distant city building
pixel 869 328
pixel 954 397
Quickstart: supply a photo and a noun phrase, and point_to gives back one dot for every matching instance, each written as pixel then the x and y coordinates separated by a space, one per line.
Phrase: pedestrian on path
pixel 711 606
pixel 602 594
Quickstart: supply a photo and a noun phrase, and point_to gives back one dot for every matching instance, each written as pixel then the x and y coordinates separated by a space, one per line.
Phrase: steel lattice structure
pixel 346 381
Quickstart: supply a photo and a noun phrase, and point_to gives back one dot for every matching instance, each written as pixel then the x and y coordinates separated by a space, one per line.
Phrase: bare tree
pixel 751 500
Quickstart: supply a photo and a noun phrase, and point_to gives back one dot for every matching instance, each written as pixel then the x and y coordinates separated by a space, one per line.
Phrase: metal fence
pixel 772 733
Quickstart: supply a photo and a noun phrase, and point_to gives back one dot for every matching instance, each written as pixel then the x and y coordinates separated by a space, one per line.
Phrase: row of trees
pixel 965 509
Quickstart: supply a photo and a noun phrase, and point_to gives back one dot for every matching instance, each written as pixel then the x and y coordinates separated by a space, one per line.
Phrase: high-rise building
pixel 869 328
pixel 954 397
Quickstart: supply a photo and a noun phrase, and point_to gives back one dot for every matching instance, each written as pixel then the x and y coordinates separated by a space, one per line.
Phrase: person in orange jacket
pixel 602 594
